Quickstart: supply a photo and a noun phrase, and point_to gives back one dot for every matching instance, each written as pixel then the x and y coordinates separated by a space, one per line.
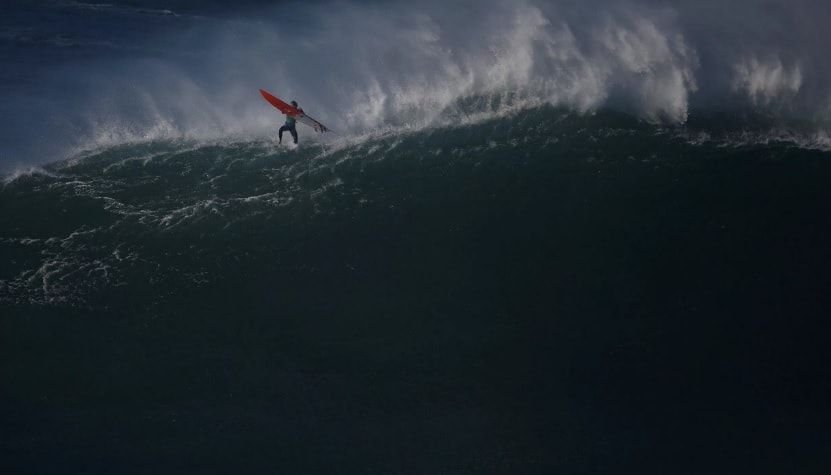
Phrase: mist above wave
pixel 359 66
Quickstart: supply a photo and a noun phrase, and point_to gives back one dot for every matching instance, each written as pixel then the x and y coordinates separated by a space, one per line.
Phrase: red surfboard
pixel 293 112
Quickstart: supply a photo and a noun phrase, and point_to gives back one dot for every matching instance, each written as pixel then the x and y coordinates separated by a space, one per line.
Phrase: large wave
pixel 359 66
pixel 90 230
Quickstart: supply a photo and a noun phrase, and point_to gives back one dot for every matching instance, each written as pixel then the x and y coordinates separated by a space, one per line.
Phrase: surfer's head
pixel 294 103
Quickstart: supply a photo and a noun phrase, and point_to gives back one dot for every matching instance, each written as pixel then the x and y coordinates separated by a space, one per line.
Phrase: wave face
pixel 472 296
pixel 547 238
pixel 101 221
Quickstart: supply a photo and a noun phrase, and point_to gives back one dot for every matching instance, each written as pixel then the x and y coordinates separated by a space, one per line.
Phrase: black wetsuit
pixel 291 126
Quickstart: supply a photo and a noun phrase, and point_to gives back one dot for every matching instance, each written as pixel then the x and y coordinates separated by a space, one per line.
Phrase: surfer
pixel 291 126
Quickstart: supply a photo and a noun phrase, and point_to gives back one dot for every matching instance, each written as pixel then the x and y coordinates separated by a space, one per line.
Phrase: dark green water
pixel 547 294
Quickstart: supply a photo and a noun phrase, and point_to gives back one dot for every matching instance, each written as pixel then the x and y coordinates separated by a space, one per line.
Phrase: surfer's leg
pixel 293 134
pixel 280 134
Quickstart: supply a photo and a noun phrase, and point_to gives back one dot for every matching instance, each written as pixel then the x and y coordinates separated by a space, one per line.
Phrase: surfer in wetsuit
pixel 291 126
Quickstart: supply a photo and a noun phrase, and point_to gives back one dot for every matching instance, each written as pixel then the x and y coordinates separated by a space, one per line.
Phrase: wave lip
pixel 415 66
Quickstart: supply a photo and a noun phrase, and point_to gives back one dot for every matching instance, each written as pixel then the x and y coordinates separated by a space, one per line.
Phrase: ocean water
pixel 545 238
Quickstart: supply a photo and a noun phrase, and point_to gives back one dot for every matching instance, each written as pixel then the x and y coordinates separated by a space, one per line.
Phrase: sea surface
pixel 544 238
